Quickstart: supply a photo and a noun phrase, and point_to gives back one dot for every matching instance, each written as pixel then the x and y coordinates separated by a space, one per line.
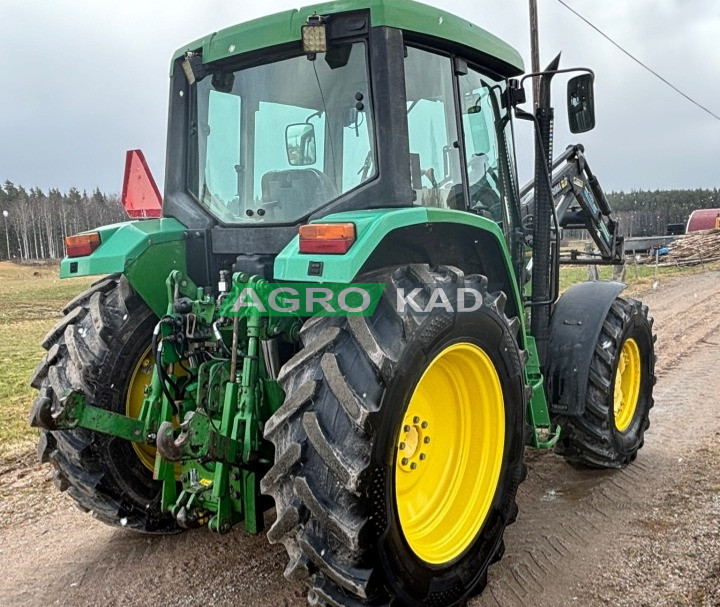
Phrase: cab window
pixel 489 155
pixel 482 128
pixel 435 165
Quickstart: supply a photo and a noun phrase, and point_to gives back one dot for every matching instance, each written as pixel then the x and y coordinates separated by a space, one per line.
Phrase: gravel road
pixel 648 535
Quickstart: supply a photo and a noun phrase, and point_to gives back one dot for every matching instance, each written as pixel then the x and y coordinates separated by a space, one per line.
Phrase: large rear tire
pixel 611 430
pixel 96 349
pixel 399 448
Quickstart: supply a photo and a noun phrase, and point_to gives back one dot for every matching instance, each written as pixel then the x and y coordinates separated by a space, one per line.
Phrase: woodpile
pixel 700 246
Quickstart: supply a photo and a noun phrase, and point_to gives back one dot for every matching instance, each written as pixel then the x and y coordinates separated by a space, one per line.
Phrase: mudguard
pixel 574 330
pixel 146 251
pixel 372 227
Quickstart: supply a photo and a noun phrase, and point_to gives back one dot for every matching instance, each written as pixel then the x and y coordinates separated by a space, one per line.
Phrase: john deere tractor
pixel 346 309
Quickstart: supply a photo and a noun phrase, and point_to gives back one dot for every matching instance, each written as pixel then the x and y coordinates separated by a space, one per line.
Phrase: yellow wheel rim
pixel 450 453
pixel 139 380
pixel 627 384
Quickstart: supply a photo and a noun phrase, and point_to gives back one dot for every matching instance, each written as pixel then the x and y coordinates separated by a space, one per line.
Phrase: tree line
pixel 647 213
pixel 33 223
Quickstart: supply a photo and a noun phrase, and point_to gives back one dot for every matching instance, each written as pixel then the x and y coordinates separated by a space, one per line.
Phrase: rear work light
pixel 82 244
pixel 314 35
pixel 327 238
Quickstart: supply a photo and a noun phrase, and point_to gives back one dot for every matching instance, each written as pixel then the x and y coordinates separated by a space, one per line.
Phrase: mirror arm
pixel 585 70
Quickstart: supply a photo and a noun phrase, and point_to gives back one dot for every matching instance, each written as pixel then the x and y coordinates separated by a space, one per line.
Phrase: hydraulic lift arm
pixel 580 204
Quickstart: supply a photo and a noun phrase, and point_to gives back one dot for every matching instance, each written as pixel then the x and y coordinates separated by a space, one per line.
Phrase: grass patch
pixel 31 302
pixel 636 277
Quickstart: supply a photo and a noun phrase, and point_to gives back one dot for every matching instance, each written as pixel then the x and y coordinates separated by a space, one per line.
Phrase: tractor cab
pixel 336 108
pixel 273 143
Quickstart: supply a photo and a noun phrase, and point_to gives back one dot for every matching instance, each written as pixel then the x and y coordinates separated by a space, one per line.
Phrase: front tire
pixel 352 434
pixel 96 349
pixel 611 430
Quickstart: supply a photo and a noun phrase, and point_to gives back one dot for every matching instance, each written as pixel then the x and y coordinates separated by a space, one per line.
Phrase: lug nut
pixel 426 440
pixel 406 428
pixel 416 420
pixel 401 446
pixel 413 466
pixel 422 457
pixel 404 461
pixel 424 425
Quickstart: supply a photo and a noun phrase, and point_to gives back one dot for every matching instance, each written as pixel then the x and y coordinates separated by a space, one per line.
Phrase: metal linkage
pixel 213 387
pixel 581 204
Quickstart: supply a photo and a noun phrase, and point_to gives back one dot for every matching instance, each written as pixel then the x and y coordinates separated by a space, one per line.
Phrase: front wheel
pixel 611 430
pixel 399 447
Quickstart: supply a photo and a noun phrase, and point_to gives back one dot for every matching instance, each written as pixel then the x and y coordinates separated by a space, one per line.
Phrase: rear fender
pixel 145 251
pixel 575 327
pixel 388 237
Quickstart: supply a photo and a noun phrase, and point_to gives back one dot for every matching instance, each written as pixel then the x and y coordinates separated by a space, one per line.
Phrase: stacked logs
pixel 700 246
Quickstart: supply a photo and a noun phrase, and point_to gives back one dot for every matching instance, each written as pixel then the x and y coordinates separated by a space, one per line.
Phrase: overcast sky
pixel 83 81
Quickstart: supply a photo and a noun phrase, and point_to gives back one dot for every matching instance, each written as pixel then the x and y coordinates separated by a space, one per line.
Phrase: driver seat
pixel 302 187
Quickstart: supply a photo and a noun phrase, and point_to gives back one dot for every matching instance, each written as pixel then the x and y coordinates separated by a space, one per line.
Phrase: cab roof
pixel 407 15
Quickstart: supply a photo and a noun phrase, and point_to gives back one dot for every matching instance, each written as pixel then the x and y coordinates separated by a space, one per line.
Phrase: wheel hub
pixel 413 444
pixel 627 385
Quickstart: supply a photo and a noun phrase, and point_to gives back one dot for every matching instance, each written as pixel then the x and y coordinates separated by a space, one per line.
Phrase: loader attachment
pixel 580 204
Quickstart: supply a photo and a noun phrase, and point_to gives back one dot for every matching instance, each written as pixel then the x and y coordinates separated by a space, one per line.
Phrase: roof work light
pixel 314 35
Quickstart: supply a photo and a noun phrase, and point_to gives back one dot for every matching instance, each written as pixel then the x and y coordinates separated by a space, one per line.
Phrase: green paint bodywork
pixel 410 16
pixel 146 251
pixel 544 433
pixel 371 227
pixel 219 443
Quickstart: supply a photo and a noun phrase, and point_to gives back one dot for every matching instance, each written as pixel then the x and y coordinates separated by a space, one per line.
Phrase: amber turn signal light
pixel 327 238
pixel 82 244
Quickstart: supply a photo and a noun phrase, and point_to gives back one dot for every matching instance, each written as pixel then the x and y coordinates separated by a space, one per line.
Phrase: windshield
pixel 275 142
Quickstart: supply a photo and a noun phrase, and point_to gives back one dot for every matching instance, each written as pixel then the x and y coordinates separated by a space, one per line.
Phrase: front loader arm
pixel 580 204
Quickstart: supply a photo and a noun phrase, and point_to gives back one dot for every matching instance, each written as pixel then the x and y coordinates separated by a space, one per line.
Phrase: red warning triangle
pixel 140 195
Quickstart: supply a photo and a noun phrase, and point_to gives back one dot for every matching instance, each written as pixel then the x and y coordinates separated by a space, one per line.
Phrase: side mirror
pixel 581 104
pixel 300 144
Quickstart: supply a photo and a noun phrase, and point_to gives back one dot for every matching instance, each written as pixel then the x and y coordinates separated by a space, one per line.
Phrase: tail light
pixel 82 244
pixel 327 238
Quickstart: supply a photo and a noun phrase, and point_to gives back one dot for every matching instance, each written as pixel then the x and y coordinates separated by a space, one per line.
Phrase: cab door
pixel 489 155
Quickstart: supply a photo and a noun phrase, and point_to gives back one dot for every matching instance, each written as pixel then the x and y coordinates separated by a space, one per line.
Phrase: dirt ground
pixel 645 536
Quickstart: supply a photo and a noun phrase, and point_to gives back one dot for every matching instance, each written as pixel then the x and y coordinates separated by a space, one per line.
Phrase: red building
pixel 702 219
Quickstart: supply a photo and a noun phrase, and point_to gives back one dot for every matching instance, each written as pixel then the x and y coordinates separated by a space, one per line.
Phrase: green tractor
pixel 346 307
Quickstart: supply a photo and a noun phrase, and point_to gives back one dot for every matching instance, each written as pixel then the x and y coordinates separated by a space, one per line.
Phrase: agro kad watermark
pixel 355 299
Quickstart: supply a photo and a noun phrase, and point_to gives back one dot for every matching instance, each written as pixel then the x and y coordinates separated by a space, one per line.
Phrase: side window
pixel 433 131
pixel 489 155
pixel 483 129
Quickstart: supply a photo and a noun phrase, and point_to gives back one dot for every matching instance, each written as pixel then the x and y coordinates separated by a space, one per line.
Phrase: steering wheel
pixel 484 196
